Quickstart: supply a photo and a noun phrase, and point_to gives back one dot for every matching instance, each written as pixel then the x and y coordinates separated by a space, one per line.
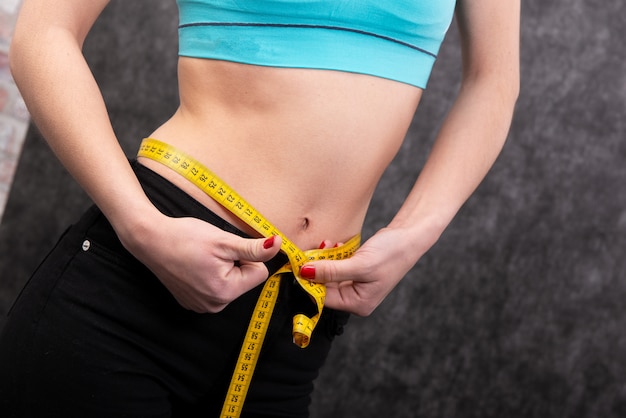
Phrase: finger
pixel 248 275
pixel 330 271
pixel 326 243
pixel 257 249
pixel 337 297
pixel 250 255
pixel 348 299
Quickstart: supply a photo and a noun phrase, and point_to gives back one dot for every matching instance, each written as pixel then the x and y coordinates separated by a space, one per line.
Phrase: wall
pixel 518 310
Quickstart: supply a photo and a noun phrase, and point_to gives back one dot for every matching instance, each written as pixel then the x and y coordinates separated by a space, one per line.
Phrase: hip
pixel 102 313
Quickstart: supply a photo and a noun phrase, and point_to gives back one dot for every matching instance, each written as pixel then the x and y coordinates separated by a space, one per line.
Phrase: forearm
pixel 466 147
pixel 67 106
pixel 474 132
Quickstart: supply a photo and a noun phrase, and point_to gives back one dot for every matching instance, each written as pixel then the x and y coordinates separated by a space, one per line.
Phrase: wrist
pixel 421 232
pixel 135 222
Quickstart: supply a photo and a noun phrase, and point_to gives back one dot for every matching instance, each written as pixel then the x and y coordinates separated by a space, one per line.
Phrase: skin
pixel 303 127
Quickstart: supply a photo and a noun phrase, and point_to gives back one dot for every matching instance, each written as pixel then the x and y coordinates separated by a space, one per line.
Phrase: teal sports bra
pixel 394 39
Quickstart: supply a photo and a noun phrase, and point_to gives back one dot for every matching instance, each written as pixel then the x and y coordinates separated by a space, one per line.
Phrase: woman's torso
pixel 305 147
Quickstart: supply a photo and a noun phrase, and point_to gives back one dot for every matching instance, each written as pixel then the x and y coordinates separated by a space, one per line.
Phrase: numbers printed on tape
pixel 248 355
pixel 303 326
pixel 223 194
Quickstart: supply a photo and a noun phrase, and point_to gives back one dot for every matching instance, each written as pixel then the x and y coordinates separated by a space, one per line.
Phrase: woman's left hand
pixel 359 284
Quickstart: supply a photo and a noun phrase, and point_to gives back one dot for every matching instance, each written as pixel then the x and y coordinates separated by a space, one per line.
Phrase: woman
pixel 299 107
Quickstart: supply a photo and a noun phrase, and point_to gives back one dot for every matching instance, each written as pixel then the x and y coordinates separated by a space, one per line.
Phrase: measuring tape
pixel 303 325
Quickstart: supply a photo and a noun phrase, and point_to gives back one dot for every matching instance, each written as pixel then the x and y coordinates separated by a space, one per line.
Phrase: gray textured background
pixel 518 310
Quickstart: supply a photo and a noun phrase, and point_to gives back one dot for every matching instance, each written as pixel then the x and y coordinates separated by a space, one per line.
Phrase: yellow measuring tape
pixel 303 325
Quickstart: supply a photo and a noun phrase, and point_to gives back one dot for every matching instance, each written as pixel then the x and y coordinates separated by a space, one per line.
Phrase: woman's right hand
pixel 204 267
pixel 195 260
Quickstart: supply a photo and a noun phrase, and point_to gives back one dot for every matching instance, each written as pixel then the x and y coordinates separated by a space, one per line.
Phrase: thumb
pixel 329 271
pixel 255 249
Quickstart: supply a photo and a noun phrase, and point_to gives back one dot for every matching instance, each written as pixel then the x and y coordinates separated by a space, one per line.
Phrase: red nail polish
pixel 322 245
pixel 269 242
pixel 307 272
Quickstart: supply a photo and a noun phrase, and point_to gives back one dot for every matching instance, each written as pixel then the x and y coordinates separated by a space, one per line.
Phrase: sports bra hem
pixel 313 47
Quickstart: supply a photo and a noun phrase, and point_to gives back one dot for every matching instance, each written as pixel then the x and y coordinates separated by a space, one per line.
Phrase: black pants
pixel 95 334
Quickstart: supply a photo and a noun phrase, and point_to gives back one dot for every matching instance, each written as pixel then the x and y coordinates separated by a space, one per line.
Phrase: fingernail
pixel 336 245
pixel 268 243
pixel 307 272
pixel 322 245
